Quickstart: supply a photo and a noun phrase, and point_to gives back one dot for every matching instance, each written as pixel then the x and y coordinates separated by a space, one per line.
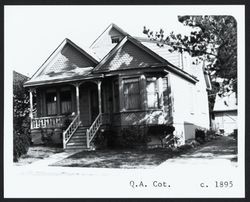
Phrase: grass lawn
pixel 37 153
pixel 117 158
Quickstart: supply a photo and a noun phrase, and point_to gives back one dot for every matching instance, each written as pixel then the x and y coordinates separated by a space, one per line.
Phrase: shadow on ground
pixel 116 159
pixel 221 148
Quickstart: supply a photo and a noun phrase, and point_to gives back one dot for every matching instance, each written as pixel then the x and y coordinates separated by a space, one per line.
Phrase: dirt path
pixel 220 151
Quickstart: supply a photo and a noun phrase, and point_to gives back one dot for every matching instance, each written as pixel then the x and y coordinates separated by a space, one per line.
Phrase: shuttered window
pixel 51 103
pixel 65 98
pixel 131 94
pixel 152 93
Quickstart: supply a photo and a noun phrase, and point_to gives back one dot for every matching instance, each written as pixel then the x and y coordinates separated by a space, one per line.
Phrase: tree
pixel 21 121
pixel 213 39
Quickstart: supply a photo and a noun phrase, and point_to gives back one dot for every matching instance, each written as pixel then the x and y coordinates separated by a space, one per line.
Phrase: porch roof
pixel 76 74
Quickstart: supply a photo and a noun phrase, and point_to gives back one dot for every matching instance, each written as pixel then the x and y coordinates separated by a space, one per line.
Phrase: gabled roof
pixel 165 51
pixel 161 61
pixel 62 67
pixel 98 68
pixel 111 26
pixel 226 102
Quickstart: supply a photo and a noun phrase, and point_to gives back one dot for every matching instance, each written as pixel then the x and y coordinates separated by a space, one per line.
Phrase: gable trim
pixel 164 62
pixel 112 25
pixel 118 46
pixel 56 51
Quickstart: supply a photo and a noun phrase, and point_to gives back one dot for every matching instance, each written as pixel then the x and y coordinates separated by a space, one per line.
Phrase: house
pixel 117 82
pixel 225 113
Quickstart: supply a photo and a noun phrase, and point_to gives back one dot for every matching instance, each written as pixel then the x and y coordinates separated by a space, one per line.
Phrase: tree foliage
pixel 213 39
pixel 21 122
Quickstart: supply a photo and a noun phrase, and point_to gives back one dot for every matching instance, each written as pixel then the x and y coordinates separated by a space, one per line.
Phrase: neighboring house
pixel 118 82
pixel 19 78
pixel 225 113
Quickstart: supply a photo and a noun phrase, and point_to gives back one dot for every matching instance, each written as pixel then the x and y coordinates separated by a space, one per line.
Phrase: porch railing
pixel 46 122
pixel 67 134
pixel 93 129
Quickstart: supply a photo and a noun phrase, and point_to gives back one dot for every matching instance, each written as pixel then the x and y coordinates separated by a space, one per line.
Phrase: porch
pixel 67 108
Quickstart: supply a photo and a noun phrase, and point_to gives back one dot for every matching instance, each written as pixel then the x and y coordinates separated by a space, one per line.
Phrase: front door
pixel 94 104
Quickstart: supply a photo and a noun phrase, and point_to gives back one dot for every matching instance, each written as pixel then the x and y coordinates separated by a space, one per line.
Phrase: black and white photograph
pixel 124 101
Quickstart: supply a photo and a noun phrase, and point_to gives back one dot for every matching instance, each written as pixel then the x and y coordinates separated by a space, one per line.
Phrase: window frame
pixel 46 102
pixel 115 39
pixel 155 79
pixel 70 93
pixel 126 95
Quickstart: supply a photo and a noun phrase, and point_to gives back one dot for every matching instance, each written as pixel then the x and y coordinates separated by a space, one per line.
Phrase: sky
pixel 32 33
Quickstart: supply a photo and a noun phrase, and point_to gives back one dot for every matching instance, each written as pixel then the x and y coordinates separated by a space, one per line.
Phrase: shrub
pixel 21 139
pixel 200 135
pixel 211 134
pixel 67 121
pixel 133 136
pixel 164 133
pixel 47 136
pixel 21 120
pixel 101 139
pixel 234 134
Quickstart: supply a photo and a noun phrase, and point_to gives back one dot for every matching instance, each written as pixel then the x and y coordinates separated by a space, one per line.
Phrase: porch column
pixel 31 102
pixel 77 99
pixel 99 96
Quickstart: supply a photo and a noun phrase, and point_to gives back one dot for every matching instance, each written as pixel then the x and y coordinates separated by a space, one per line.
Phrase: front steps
pixel 79 140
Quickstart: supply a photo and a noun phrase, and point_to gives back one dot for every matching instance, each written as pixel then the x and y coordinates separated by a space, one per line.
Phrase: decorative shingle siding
pixel 67 59
pixel 129 56
pixel 68 63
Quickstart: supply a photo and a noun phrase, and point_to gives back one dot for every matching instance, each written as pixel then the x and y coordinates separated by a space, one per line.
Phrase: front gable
pixel 107 40
pixel 128 56
pixel 68 61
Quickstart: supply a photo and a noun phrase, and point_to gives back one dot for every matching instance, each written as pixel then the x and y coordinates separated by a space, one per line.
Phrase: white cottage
pixel 118 82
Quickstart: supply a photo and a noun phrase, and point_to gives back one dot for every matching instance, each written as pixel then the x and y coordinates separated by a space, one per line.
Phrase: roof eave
pixel 60 81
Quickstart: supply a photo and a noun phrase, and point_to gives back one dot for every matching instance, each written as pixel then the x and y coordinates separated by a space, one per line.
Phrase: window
pixel 152 93
pixel 65 97
pixel 131 94
pixel 51 103
pixel 115 39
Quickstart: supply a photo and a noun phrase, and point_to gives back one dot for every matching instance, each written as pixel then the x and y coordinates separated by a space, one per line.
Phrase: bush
pixel 234 134
pixel 21 120
pixel 133 136
pixel 200 135
pixel 211 134
pixel 67 121
pixel 47 136
pixel 164 133
pixel 22 138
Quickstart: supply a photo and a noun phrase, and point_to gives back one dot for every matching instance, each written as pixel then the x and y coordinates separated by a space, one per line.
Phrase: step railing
pixel 91 132
pixel 68 133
